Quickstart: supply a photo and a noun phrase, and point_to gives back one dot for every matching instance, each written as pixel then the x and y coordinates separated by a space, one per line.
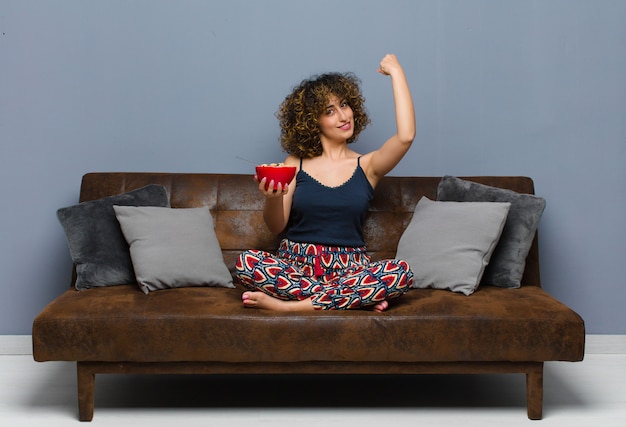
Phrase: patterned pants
pixel 334 278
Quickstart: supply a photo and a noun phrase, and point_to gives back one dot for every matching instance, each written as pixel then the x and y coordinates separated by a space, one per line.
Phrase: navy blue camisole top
pixel 330 216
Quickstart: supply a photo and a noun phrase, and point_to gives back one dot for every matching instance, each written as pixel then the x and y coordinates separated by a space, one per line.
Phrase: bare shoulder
pixel 365 161
pixel 292 160
pixel 366 164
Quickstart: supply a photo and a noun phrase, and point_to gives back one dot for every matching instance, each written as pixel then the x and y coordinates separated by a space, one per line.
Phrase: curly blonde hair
pixel 301 110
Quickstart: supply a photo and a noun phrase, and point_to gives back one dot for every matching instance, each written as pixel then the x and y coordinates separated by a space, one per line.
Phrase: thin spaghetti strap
pixel 358 161
pixel 300 163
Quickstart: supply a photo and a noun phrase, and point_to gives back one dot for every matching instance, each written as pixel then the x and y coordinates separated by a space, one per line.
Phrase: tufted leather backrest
pixel 237 207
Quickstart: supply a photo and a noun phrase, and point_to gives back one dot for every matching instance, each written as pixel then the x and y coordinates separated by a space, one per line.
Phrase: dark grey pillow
pixel 508 261
pixel 96 243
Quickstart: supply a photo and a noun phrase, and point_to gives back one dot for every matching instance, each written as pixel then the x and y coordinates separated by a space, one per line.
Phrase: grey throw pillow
pixel 173 248
pixel 96 243
pixel 448 244
pixel 509 259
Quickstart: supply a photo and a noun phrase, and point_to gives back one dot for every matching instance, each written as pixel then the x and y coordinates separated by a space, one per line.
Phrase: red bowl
pixel 277 172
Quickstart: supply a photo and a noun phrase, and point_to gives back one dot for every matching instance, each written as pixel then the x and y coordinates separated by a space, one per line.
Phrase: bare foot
pixel 260 300
pixel 381 306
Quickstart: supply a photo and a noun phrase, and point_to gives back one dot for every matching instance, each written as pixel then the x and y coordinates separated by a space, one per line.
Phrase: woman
pixel 322 262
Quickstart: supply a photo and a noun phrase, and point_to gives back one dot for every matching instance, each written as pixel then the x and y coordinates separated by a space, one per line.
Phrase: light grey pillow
pixel 508 262
pixel 173 248
pixel 448 244
pixel 96 243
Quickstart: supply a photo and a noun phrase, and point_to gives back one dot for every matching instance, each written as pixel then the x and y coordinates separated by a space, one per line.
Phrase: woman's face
pixel 337 120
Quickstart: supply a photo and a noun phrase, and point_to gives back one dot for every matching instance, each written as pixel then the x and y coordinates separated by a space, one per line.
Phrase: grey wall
pixel 501 87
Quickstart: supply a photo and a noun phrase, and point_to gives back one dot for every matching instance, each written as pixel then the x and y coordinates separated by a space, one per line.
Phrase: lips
pixel 347 126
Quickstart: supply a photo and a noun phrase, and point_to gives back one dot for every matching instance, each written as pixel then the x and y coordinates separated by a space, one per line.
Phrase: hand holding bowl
pixel 278 172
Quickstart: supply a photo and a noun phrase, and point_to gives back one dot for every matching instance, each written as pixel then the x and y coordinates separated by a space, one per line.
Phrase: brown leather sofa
pixel 206 330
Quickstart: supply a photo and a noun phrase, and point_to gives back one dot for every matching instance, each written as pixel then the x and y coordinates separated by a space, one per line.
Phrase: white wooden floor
pixel 591 393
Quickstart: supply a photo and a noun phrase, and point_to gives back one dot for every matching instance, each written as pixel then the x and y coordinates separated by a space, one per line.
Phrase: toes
pixel 381 306
pixel 247 299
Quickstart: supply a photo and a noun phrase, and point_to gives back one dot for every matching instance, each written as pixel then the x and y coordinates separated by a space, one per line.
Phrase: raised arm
pixel 379 162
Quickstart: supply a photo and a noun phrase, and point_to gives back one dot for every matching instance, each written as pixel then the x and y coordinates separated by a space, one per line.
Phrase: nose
pixel 342 115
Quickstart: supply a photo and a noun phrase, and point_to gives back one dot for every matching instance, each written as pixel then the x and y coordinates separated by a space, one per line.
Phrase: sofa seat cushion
pixel 209 324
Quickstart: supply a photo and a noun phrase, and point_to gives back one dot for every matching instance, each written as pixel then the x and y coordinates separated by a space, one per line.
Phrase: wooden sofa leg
pixel 86 379
pixel 534 392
